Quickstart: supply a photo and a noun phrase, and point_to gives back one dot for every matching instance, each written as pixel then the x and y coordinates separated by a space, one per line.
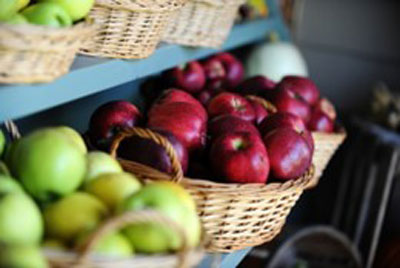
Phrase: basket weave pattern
pixel 202 23
pixel 32 54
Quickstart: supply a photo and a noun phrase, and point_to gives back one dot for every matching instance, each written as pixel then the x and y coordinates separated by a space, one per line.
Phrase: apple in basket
pixel 229 123
pixel 98 163
pixel 259 110
pixel 325 106
pixel 255 85
pixel 22 256
pixel 77 9
pixel 303 87
pixel 49 14
pixel 214 69
pixel 321 122
pixel 240 157
pixel 233 68
pixel 233 104
pixel 190 78
pixel 205 96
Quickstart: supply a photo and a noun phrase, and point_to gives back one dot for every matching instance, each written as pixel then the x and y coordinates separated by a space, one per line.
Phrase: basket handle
pixel 266 104
pixel 12 130
pixel 128 218
pixel 157 138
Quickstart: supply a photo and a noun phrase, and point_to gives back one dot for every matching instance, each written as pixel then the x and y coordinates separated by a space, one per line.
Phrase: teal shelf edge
pixel 91 75
pixel 225 260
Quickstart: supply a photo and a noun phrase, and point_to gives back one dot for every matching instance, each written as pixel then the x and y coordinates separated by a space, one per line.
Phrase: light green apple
pixel 113 188
pixel 75 137
pixel 99 163
pixel 23 256
pixel 22 4
pixel 72 215
pixel 21 222
pixel 9 185
pixel 48 14
pixel 8 8
pixel 111 245
pixel 4 169
pixel 77 9
pixel 48 164
pixel 16 19
pixel 2 142
pixel 153 237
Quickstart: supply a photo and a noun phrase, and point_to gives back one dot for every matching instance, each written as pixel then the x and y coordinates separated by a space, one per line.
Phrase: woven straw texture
pixel 234 216
pixel 32 54
pixel 128 29
pixel 202 23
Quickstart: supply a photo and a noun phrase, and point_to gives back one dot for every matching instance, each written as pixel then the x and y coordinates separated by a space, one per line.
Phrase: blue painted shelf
pixel 93 75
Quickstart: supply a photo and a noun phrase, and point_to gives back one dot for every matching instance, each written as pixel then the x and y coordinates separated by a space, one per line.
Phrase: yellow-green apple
pixel 21 222
pixel 16 19
pixel 54 244
pixel 99 163
pixel 156 238
pixel 22 4
pixel 8 184
pixel 109 119
pixel 72 215
pixel 74 136
pixel 255 85
pixel 113 244
pixel 233 104
pixel 22 256
pixel 289 154
pixel 303 87
pixel 240 157
pixel 8 8
pixel 77 9
pixel 48 14
pixel 233 68
pixel 113 188
pixel 228 124
pixel 320 122
pixel 2 142
pixel 190 78
pixel 48 164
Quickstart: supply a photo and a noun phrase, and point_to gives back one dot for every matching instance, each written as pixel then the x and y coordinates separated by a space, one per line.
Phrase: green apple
pixel 16 19
pixel 153 237
pixel 112 245
pixel 49 14
pixel 73 214
pixel 99 163
pixel 8 8
pixel 77 9
pixel 9 185
pixel 48 164
pixel 75 137
pixel 2 142
pixel 113 188
pixel 22 4
pixel 4 169
pixel 20 219
pixel 53 244
pixel 23 256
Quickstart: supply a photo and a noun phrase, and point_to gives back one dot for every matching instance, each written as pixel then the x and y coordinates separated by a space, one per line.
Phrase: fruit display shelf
pixel 91 75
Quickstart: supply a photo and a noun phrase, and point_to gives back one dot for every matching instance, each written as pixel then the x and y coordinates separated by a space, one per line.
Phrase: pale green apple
pixel 16 19
pixel 23 256
pixel 48 14
pixel 111 245
pixel 4 169
pixel 77 9
pixel 72 215
pixel 113 188
pixel 2 142
pixel 48 164
pixel 99 163
pixel 22 4
pixel 8 8
pixel 20 220
pixel 156 238
pixel 9 185
pixel 53 244
pixel 75 137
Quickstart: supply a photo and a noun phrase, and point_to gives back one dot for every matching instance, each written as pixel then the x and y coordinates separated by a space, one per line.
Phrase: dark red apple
pixel 303 87
pixel 214 69
pixel 325 106
pixel 233 104
pixel 319 121
pixel 240 157
pixel 191 78
pixel 227 123
pixel 233 68
pixel 255 85
pixel 109 119
pixel 260 111
pixel 204 97
pixel 183 121
pixel 289 154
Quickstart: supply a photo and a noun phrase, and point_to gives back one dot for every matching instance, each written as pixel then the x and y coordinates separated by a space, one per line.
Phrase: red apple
pixel 183 121
pixel 255 85
pixel 191 78
pixel 289 154
pixel 303 87
pixel 109 119
pixel 227 123
pixel 233 104
pixel 213 69
pixel 233 68
pixel 321 122
pixel 325 106
pixel 204 97
pixel 260 111
pixel 240 157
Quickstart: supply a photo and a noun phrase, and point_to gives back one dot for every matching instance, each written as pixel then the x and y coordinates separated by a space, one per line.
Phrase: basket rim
pixel 134 7
pixel 40 29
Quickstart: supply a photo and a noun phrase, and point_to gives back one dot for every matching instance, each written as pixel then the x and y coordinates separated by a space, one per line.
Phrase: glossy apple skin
pixel 240 157
pixel 255 85
pixel 109 119
pixel 325 106
pixel 233 104
pixel 233 68
pixel 155 156
pixel 321 122
pixel 259 110
pixel 191 78
pixel 301 86
pixel 223 124
pixel 214 69
pixel 289 154
pixel 183 121
pixel 48 14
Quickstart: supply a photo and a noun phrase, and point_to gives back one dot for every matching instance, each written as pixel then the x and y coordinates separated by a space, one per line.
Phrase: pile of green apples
pixel 55 194
pixel 53 13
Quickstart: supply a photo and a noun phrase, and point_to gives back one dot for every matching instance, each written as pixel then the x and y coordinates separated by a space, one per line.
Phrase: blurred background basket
pixel 205 23
pixel 234 216
pixel 128 29
pixel 33 54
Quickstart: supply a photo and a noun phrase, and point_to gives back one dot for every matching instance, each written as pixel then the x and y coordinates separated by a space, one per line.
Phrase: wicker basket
pixel 32 54
pixel 83 259
pixel 234 216
pixel 204 23
pixel 128 29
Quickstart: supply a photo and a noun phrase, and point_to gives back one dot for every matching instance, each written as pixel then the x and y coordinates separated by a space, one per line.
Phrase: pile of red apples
pixel 203 109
